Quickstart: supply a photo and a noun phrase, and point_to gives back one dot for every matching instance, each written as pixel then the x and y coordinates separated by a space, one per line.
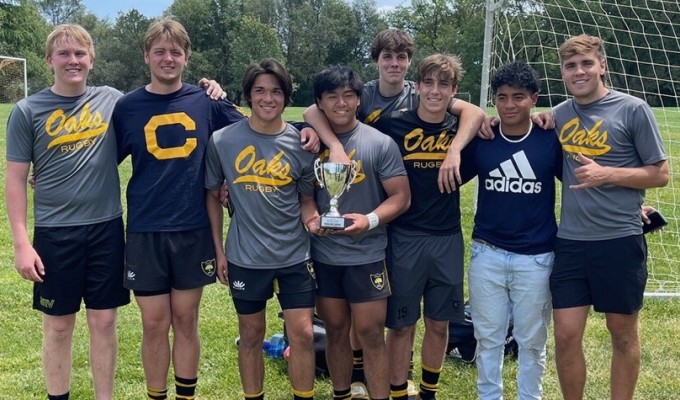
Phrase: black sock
pixel 157 394
pixel 399 392
pixel 429 383
pixel 358 366
pixel 185 388
pixel 342 394
pixel 58 396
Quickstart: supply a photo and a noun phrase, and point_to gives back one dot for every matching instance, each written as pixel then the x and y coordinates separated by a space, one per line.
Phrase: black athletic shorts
pixel 82 263
pixel 295 287
pixel 355 283
pixel 156 262
pixel 609 274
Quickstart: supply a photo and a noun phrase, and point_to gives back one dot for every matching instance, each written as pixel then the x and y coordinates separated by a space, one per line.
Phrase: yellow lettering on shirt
pixel 421 147
pixel 590 142
pixel 150 135
pixel 274 172
pixel 77 127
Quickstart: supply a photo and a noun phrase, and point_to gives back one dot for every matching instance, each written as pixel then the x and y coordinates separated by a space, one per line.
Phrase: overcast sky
pixel 153 8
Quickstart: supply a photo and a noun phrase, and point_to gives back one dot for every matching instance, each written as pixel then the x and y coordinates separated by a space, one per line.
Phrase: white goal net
pixel 642 40
pixel 13 80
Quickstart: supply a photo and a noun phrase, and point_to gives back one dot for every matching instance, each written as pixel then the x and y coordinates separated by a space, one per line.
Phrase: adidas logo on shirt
pixel 513 176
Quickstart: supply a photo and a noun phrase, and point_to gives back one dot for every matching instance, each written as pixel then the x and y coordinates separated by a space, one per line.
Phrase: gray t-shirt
pixel 72 145
pixel 378 159
pixel 265 175
pixel 373 105
pixel 618 130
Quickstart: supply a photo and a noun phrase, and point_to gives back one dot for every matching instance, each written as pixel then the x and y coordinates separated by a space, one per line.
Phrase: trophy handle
pixel 354 167
pixel 318 172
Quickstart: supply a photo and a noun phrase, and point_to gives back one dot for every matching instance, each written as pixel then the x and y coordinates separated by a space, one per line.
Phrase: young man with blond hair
pixel 77 250
pixel 601 253
pixel 165 127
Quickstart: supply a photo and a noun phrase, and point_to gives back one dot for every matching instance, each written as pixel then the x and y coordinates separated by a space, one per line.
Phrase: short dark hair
pixel 337 76
pixel 395 40
pixel 518 74
pixel 267 66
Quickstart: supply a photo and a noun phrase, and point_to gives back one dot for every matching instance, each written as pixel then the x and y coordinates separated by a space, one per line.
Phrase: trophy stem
pixel 333 211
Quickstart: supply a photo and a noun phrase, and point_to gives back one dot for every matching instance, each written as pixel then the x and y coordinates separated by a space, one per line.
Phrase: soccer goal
pixel 13 79
pixel 643 57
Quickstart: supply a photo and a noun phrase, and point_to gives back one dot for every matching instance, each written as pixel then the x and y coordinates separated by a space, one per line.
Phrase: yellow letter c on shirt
pixel 171 152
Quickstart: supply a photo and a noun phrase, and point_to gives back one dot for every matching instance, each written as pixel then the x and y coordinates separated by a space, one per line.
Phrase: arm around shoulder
pixel 315 117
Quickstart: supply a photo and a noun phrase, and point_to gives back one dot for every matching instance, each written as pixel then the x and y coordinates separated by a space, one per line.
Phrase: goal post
pixel 642 41
pixel 13 79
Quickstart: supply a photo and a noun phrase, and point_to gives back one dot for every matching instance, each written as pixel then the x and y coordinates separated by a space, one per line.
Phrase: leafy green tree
pixel 120 53
pixel 60 11
pixel 447 26
pixel 22 34
pixel 254 41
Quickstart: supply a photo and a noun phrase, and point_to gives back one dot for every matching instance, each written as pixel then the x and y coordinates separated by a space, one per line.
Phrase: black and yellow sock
pixel 410 367
pixel 157 394
pixel 58 396
pixel 185 388
pixel 345 394
pixel 256 396
pixel 358 366
pixel 399 392
pixel 303 394
pixel 429 382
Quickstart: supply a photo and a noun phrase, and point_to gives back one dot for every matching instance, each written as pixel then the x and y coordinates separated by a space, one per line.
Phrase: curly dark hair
pixel 516 73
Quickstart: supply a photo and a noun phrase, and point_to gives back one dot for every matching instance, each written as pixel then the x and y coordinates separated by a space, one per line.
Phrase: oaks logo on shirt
pixel 261 172
pixel 76 131
pixel 352 153
pixel 589 142
pixel 513 176
pixel 426 151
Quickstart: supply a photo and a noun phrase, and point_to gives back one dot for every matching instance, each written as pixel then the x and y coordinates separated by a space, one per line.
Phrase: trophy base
pixel 334 222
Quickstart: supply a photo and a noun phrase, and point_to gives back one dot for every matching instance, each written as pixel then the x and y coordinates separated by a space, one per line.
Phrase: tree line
pixel 308 35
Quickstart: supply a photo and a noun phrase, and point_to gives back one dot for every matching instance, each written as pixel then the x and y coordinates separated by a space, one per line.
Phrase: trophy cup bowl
pixel 336 178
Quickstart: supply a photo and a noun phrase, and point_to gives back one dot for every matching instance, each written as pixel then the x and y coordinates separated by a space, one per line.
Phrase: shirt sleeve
pixel 214 175
pixel 20 136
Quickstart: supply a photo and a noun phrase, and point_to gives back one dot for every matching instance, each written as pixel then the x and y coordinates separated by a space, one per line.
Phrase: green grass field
pixel 20 334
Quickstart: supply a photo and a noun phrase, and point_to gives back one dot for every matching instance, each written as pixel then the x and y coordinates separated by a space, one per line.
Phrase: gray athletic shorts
pixel 156 262
pixel 428 267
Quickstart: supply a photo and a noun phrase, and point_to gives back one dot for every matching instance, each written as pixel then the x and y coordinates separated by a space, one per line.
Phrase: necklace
pixel 526 135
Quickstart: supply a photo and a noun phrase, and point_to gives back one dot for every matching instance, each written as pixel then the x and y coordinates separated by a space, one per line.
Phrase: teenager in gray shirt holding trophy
pixel 350 262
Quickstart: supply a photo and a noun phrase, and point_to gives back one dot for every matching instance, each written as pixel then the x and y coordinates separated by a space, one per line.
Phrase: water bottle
pixel 274 346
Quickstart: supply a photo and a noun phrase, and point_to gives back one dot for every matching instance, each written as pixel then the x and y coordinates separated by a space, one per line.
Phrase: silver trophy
pixel 335 178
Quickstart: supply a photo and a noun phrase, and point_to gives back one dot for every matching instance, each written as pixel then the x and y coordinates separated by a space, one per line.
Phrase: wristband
pixel 373 220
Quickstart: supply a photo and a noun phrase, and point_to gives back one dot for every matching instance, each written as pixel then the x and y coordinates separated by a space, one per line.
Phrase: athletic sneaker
pixel 412 390
pixel 359 391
